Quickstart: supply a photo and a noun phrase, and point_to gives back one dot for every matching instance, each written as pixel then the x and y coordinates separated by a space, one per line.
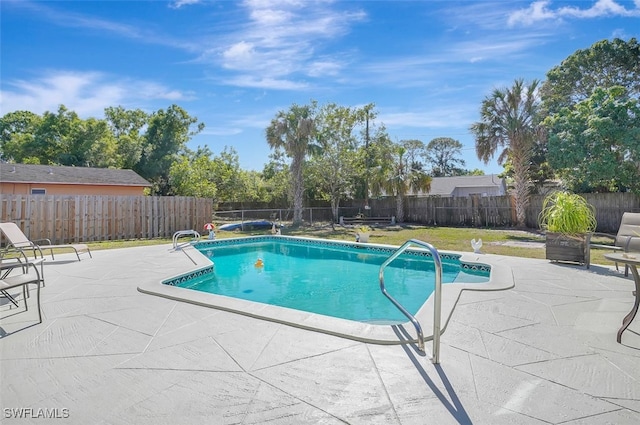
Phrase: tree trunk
pixel 399 208
pixel 335 204
pixel 520 158
pixel 298 190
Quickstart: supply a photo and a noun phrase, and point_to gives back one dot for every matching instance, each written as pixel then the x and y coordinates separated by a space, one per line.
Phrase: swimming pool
pixel 333 279
pixel 380 329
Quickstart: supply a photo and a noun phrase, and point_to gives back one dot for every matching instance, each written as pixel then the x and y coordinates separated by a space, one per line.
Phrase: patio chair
pixel 9 256
pixel 627 239
pixel 23 280
pixel 19 241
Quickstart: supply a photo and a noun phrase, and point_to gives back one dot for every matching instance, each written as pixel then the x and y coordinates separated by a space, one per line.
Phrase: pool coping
pixel 501 278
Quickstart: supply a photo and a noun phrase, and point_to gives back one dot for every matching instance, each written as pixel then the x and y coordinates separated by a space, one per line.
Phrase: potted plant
pixel 363 233
pixel 568 221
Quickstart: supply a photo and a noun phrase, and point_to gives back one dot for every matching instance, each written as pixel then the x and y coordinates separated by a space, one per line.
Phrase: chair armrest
pixel 21 263
pixel 38 241
pixel 18 280
pixel 628 242
pixel 603 235
pixel 14 265
pixel 14 253
pixel 604 246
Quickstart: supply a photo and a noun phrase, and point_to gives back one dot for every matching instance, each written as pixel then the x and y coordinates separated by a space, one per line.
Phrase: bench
pixel 345 221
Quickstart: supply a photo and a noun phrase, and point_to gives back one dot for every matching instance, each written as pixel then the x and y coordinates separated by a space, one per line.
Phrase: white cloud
pixel 154 91
pixel 437 118
pixel 542 11
pixel 280 41
pixel 537 11
pixel 66 19
pixel 221 131
pixel 277 41
pixel 494 48
pixel 177 4
pixel 600 8
pixel 322 68
pixel 270 17
pixel 239 55
pixel 86 93
pixel 265 83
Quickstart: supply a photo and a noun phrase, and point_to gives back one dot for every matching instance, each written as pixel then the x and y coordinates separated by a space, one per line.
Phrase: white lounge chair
pixel 19 241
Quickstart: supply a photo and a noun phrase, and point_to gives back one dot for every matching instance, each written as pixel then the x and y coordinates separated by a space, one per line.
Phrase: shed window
pixel 38 191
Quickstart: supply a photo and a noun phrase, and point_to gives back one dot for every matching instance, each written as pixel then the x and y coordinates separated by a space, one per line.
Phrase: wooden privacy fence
pixel 469 211
pixel 476 211
pixel 499 211
pixel 609 208
pixel 66 219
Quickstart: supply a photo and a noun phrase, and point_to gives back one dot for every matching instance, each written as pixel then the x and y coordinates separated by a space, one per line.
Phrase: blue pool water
pixel 334 279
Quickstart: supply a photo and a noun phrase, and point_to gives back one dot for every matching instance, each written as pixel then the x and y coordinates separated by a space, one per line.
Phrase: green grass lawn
pixel 518 243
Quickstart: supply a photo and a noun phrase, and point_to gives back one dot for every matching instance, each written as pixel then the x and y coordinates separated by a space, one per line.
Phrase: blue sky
pixel 427 65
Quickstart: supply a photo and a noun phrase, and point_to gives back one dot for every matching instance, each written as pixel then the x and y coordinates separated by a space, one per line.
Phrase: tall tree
pixel 277 178
pixel 444 155
pixel 166 136
pixel 366 118
pixel 91 145
pixel 205 175
pixel 228 176
pixel 126 126
pixel 66 139
pixel 605 64
pixel 191 175
pixel 596 144
pixel 254 187
pixel 294 132
pixel 569 92
pixel 414 152
pixel 509 120
pixel 334 170
pixel 399 178
pixel 17 136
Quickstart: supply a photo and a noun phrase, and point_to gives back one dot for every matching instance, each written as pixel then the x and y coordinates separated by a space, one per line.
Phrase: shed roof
pixel 57 174
pixel 447 185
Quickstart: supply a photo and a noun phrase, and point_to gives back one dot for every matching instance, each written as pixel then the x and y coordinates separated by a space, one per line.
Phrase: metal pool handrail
pixel 179 233
pixel 437 301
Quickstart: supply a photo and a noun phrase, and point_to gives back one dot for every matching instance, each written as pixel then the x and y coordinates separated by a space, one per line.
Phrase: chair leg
pixel 9 297
pixel 38 301
pixel 25 291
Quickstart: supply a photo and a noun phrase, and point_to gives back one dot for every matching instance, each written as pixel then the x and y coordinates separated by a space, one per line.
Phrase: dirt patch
pixel 519 244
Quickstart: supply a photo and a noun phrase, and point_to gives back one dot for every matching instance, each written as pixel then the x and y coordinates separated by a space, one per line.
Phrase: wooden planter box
pixel 566 248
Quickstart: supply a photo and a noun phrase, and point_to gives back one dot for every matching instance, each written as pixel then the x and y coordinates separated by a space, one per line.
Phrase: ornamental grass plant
pixel 567 213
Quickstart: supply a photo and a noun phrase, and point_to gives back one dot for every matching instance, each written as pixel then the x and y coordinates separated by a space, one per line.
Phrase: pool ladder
pixel 437 301
pixel 180 233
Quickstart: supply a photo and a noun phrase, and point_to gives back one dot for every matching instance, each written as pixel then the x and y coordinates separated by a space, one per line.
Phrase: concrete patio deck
pixel 544 352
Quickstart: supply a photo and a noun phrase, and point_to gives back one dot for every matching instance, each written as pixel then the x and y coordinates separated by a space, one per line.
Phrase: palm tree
pixel 400 178
pixel 293 131
pixel 509 119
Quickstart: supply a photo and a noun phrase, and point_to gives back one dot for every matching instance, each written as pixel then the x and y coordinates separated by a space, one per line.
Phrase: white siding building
pixel 463 186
